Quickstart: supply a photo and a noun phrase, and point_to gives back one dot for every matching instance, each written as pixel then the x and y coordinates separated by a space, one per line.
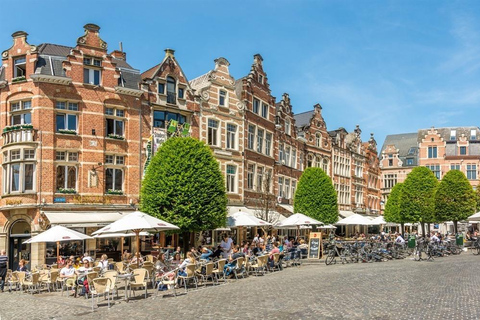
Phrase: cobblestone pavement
pixel 446 288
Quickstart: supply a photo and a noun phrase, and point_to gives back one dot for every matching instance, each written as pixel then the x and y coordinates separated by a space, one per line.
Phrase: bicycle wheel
pixel 330 258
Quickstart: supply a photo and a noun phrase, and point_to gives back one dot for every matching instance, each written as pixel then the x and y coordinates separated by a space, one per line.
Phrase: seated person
pixel 190 259
pixel 125 255
pixel 136 260
pixel 103 263
pixel 217 253
pixel 87 257
pixel 176 259
pixel 70 274
pixel 232 261
pixel 82 275
pixel 22 265
pixel 272 252
pixel 162 270
pixel 206 254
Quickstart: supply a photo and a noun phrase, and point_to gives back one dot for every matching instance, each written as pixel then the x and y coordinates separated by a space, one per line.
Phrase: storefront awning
pixel 83 218
pixel 345 214
pixel 287 207
pixel 255 212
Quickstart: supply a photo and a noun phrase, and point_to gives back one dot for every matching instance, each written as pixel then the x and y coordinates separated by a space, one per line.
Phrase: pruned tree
pixel 392 207
pixel 265 203
pixel 455 199
pixel 418 197
pixel 183 185
pixel 316 196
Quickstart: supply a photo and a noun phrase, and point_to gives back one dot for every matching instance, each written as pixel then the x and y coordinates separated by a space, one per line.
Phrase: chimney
pixel 221 62
pixel 119 55
pixel 19 36
pixel 169 53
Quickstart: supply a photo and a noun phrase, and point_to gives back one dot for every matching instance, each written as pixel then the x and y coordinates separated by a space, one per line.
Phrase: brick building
pixel 71 139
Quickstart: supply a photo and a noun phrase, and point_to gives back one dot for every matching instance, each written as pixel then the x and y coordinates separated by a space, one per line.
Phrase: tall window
pixel 463 150
pixel 318 140
pixel 260 133
pixel 171 91
pixel 287 156
pixel 454 166
pixel 432 152
pixel 268 143
pixel 287 188
pixel 294 188
pixel 265 110
pixel 251 137
pixel 250 175
pixel 471 171
pixel 259 179
pixel 473 134
pixel 113 180
pixel 18 170
pixel 281 155
pixel 161 88
pixel 389 181
pixel 287 127
pixel 20 67
pixel 92 72
pixel 453 134
pixel 222 97
pixel 212 132
pixel 256 105
pixel 231 133
pixel 435 169
pixel 280 186
pixel 66 117
pixel 231 174
pixel 309 160
pixel 20 112
pixel 325 166
pixel 115 122
pixel 66 171
pixel 294 158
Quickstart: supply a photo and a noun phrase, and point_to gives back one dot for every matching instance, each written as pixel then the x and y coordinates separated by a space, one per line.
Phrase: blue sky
pixel 389 66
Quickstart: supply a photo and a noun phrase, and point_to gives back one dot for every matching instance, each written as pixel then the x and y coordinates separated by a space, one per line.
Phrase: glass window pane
pixel 96 77
pixel 60 123
pixel 118 179
pixel 72 177
pixel 27 118
pixel 72 122
pixel 27 104
pixel 15 177
pixel 119 127
pixel 73 106
pixel 172 116
pixel 108 179
pixel 16 119
pixel 86 75
pixel 28 176
pixel 60 177
pixel 60 105
pixel 110 126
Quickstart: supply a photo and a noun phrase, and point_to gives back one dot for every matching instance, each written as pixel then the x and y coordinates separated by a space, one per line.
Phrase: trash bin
pixel 411 242
pixel 459 239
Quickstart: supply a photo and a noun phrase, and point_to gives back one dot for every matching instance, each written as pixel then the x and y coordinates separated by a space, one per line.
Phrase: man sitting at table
pixel 232 261
pixel 82 272
pixel 272 252
pixel 206 254
pixel 69 273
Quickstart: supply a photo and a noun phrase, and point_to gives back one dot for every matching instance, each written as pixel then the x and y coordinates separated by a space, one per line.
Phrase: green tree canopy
pixel 477 192
pixel 316 196
pixel 455 199
pixel 418 196
pixel 392 207
pixel 183 185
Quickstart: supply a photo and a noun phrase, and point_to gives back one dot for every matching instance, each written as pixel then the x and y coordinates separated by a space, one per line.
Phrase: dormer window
pixel 453 135
pixel 171 91
pixel 473 134
pixel 260 78
pixel 287 127
pixel 222 97
pixel 92 73
pixel 161 88
pixel 20 67
pixel 181 93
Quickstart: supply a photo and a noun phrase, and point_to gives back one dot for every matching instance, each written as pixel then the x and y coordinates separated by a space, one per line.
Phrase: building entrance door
pixel 19 233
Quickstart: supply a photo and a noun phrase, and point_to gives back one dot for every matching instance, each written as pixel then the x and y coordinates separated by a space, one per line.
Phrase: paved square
pixel 444 289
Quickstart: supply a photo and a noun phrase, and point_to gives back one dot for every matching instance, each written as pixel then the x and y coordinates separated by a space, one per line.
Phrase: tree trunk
pixel 402 228
pixel 428 228
pixel 455 229
pixel 423 228
pixel 186 242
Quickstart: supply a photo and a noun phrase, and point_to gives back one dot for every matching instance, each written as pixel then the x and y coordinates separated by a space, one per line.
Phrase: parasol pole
pixel 137 235
pixel 58 250
pixel 121 247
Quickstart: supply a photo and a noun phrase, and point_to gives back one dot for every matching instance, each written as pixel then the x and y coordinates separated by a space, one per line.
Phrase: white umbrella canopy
pixel 136 222
pixel 119 235
pixel 296 220
pixel 356 219
pixel 474 217
pixel 328 226
pixel 243 219
pixel 58 234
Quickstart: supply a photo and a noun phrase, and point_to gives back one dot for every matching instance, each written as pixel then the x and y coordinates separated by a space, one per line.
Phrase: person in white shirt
pixel 69 273
pixel 103 263
pixel 399 239
pixel 435 238
pixel 226 246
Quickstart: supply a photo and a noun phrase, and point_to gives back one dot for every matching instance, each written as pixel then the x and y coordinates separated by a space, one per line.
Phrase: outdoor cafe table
pixel 126 277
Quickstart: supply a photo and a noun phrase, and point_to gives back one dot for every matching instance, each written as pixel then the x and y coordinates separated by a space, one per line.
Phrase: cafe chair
pixel 112 275
pixel 239 268
pixel 208 274
pixel 219 270
pixel 50 279
pixel 168 281
pixel 98 287
pixel 139 280
pixel 33 283
pixel 190 271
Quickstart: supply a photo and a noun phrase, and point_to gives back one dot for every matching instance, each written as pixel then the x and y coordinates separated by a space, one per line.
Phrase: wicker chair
pixel 100 286
pixel 239 268
pixel 219 270
pixel 140 277
pixel 33 283
pixel 190 271
pixel 112 275
pixel 51 279
pixel 167 280
pixel 208 273
pixel 260 265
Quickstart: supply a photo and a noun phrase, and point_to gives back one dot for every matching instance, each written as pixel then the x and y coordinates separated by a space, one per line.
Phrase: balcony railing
pixel 19 135
pixel 171 97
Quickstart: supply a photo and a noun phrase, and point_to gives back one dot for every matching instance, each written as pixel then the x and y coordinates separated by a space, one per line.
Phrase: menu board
pixel 314 245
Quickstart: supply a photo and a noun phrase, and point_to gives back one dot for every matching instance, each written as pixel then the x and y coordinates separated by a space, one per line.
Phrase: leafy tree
pixel 477 192
pixel 392 208
pixel 183 185
pixel 455 199
pixel 316 196
pixel 418 197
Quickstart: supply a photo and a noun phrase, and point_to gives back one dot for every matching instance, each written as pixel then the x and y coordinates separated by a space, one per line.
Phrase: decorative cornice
pixel 128 91
pixel 51 79
pixel 3 84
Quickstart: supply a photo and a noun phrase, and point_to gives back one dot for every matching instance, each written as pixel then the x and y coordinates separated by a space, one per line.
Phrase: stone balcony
pixel 19 135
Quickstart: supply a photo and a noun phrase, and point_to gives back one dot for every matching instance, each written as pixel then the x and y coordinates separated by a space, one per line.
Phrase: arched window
pixel 318 140
pixel 171 91
pixel 309 161
pixel 325 166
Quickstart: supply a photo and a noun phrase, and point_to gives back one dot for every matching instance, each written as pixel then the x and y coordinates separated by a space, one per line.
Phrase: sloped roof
pixel 403 142
pixel 200 81
pixel 303 119
pixel 54 50
pixel 150 72
pixel 2 73
pixel 447 131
